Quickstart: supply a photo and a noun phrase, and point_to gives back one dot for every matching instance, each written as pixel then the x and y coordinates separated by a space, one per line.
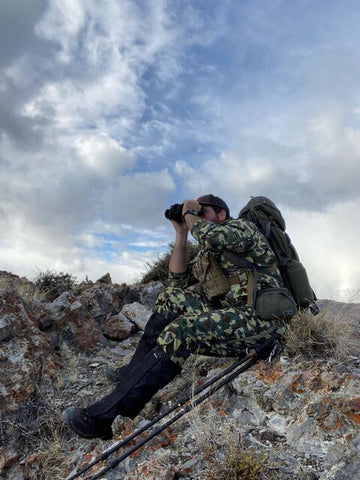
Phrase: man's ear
pixel 222 215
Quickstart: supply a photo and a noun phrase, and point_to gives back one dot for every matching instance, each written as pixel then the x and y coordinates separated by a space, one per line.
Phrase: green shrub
pixel 159 270
pixel 52 284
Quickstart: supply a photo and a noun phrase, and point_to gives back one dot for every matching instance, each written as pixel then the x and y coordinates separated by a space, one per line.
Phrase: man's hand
pixel 190 220
pixel 191 205
pixel 180 228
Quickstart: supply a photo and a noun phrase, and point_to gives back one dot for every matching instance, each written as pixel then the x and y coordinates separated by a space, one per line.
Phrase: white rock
pixel 137 313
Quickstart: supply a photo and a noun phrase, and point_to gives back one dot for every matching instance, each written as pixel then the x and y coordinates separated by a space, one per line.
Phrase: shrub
pixel 52 284
pixel 159 270
pixel 240 462
pixel 226 455
pixel 39 434
pixel 327 335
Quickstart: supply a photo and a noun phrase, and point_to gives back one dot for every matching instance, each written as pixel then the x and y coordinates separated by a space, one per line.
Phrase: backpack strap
pixel 235 280
pixel 242 262
pixel 252 277
pixel 251 289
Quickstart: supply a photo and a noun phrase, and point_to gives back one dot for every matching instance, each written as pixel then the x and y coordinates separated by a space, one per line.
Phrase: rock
pixel 44 317
pixel 150 293
pixel 304 415
pixel 25 352
pixel 60 303
pixel 105 279
pixel 75 305
pixel 9 281
pixel 79 330
pixel 137 313
pixel 305 408
pixel 118 327
pixel 102 300
pixel 7 327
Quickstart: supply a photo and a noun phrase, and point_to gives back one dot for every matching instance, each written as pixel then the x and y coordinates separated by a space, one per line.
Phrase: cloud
pixel 61 24
pixel 327 243
pixel 110 111
pixel 16 27
pixel 103 155
pixel 137 199
pixel 46 253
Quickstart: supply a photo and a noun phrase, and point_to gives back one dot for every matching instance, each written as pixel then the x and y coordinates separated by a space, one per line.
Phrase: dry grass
pixel 239 463
pixel 49 461
pixel 37 430
pixel 328 335
pixel 225 454
pixel 28 292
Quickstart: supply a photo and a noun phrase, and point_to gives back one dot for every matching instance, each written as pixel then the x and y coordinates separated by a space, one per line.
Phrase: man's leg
pixel 171 303
pixel 95 421
pixel 148 376
pixel 223 332
pixel 147 342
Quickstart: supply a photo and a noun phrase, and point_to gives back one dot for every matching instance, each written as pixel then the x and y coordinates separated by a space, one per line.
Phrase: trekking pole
pixel 142 429
pixel 260 351
pixel 251 361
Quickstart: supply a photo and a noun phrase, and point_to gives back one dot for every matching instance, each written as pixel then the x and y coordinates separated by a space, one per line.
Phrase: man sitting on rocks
pixel 219 321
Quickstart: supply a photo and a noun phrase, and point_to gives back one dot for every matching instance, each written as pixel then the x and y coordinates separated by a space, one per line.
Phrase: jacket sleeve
pixel 232 235
pixel 181 280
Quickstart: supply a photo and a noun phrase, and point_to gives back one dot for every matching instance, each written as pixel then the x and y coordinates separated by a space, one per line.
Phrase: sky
pixel 112 110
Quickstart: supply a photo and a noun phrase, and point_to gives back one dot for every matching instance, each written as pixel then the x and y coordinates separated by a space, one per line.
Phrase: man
pixel 219 321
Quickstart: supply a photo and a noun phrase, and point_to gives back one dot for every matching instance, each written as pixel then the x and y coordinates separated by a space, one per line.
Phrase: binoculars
pixel 175 212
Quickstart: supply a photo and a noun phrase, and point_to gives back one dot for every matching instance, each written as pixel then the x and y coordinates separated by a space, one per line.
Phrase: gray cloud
pixel 17 20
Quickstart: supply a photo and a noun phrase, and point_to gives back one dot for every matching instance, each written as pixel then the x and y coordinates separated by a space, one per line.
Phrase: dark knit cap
pixel 214 201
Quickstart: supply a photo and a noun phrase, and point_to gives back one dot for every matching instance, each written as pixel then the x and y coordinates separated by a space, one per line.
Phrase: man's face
pixel 211 216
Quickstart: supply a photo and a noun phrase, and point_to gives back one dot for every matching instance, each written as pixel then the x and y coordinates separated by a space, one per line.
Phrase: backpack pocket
pixel 275 303
pixel 214 282
pixel 299 283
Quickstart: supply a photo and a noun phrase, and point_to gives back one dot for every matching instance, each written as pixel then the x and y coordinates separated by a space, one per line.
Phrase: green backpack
pixel 267 217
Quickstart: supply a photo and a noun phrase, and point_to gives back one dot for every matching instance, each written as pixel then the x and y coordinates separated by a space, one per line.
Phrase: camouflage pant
pixel 198 328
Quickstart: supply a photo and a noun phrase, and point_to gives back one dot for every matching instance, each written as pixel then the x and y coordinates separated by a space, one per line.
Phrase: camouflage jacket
pixel 239 236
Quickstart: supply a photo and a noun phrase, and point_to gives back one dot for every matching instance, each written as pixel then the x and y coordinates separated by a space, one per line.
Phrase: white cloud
pixel 328 245
pixel 137 198
pixel 103 155
pixel 100 98
pixel 149 244
pixel 45 251
pixel 61 24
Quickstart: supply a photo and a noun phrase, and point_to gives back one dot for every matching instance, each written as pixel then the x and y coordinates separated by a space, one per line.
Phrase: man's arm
pixel 178 262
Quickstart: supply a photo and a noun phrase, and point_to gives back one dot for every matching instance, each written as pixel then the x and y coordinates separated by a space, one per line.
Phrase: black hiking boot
pixel 117 375
pixel 86 427
pixel 129 398
pixel 154 326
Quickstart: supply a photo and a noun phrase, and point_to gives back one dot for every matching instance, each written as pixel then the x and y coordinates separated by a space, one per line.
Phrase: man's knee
pixel 172 301
pixel 156 324
pixel 169 295
pixel 170 340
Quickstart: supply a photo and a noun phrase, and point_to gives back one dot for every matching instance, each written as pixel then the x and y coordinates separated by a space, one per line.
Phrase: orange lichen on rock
pixel 269 373
pixel 351 409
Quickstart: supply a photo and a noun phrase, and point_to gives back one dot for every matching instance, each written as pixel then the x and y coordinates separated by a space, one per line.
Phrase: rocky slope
pixel 294 418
